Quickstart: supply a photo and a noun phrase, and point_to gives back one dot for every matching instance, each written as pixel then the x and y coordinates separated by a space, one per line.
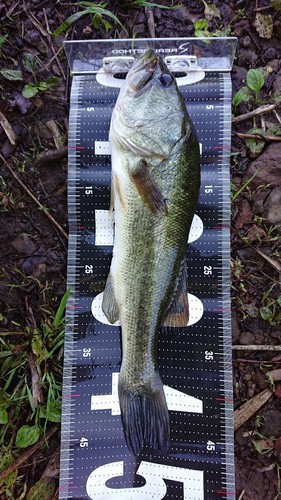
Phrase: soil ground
pixel 33 250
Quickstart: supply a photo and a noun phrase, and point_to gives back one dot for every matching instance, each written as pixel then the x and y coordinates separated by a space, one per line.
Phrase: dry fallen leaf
pixel 263 25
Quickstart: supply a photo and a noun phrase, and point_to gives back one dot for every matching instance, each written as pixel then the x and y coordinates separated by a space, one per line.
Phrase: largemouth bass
pixel 155 185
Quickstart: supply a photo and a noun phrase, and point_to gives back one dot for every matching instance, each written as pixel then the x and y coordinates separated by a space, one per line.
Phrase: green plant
pixel 145 3
pixel 270 312
pixel 98 13
pixel 246 183
pixel 30 89
pixel 251 92
pixel 3 39
pixel 201 29
pixel 30 374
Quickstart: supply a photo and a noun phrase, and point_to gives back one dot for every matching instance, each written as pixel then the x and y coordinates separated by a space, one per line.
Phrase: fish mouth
pixel 141 74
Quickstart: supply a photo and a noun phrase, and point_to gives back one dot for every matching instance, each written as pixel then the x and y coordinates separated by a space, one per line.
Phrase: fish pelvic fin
pixel 145 416
pixel 148 189
pixel 177 315
pixel 109 303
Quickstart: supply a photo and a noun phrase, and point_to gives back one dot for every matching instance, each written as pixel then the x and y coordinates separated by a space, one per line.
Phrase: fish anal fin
pixel 109 303
pixel 177 315
pixel 148 189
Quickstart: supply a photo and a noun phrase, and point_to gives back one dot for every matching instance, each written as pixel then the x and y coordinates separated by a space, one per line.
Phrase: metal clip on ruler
pixel 196 365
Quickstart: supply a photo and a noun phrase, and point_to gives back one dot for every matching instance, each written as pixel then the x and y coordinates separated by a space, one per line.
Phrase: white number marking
pixel 155 486
pixel 176 400
pixel 196 310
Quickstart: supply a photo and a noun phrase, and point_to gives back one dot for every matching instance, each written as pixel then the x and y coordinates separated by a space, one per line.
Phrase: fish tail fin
pixel 145 416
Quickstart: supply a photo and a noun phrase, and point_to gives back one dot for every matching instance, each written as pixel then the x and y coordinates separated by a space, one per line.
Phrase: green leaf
pixel 38 347
pixel 239 191
pixel 144 3
pixel 211 11
pixel 43 86
pixel 29 91
pixel 276 4
pixel 266 313
pixel 255 145
pixel 255 79
pixel 11 74
pixel 53 82
pixel 243 95
pixel 3 415
pixel 30 61
pixel 6 459
pixel 61 308
pixel 69 21
pixel 4 399
pixel 201 28
pixel 278 300
pixel 201 24
pixel 43 489
pixel 27 435
pixel 52 412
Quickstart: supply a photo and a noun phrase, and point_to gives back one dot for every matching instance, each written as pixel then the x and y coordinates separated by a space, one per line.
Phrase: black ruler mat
pixel 195 365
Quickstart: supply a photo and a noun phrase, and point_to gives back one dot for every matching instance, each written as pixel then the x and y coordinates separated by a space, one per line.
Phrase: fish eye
pixel 166 79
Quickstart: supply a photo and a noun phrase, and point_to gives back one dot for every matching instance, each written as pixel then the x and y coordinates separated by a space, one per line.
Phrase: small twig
pixel 256 361
pixel 241 495
pixel 46 66
pixel 57 136
pixel 52 46
pixel 11 9
pixel 27 454
pixel 260 9
pixel 256 347
pixel 275 138
pixel 273 262
pixel 8 129
pixel 31 195
pixel 258 111
pixel 277 116
pixel 150 21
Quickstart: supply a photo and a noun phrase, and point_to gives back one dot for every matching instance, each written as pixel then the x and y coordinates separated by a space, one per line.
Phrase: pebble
pixel 227 13
pixel 272 424
pixel 276 86
pixel 241 28
pixel 246 42
pixel 23 244
pixel 267 166
pixel 270 53
pixel 247 338
pixel 272 206
pixel 247 58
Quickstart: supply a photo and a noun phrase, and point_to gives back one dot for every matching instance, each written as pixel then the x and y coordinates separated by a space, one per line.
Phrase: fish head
pixel 150 113
pixel 149 71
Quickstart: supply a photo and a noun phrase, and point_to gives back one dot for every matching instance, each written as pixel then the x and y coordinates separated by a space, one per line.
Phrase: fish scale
pixel 95 462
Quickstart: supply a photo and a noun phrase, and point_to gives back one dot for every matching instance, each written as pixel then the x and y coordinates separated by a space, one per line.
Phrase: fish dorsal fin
pixel 109 302
pixel 148 189
pixel 177 315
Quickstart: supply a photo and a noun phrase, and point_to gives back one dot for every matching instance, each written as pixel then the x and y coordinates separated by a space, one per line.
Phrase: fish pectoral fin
pixel 109 303
pixel 148 189
pixel 177 315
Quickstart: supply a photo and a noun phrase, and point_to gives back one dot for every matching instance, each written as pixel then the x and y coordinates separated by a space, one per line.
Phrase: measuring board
pixel 195 365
